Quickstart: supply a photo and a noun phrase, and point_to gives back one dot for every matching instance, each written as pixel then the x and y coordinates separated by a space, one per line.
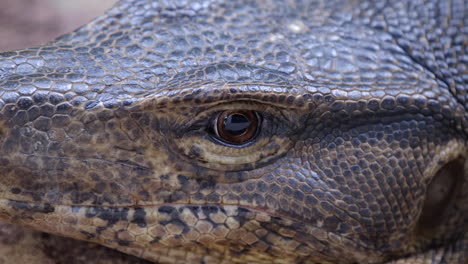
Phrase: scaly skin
pixel 362 154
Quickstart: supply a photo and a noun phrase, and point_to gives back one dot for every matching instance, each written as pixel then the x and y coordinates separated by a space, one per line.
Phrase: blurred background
pixel 28 23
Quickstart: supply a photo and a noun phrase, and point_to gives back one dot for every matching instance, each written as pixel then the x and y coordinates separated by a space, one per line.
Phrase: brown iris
pixel 237 126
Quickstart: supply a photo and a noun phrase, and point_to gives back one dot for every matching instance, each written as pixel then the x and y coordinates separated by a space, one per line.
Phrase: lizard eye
pixel 236 127
pixel 237 136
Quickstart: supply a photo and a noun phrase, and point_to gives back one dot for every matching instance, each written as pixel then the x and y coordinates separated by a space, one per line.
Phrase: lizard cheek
pixel 219 157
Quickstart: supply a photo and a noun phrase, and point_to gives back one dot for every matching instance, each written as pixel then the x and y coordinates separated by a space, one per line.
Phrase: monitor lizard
pixel 213 131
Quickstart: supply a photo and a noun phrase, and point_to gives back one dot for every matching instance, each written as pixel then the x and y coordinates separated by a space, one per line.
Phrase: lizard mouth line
pixel 310 230
pixel 46 207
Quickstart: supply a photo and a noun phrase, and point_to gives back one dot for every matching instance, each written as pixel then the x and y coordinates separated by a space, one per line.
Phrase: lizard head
pixel 166 136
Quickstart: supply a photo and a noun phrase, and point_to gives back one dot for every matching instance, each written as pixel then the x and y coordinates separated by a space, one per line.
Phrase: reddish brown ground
pixel 27 23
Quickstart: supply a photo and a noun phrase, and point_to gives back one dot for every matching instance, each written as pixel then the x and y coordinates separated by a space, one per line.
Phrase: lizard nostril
pixel 440 193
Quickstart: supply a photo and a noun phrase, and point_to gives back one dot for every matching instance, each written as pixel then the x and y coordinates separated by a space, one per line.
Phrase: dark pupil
pixel 236 124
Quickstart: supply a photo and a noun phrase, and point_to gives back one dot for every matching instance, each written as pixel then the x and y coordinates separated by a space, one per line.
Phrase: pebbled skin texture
pixel 361 158
pixel 22 245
